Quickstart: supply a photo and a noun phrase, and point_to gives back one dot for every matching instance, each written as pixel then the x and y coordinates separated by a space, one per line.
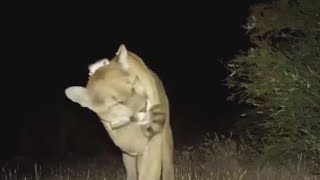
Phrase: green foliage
pixel 280 76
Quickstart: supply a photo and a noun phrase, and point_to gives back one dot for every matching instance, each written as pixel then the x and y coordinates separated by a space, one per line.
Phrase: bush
pixel 280 77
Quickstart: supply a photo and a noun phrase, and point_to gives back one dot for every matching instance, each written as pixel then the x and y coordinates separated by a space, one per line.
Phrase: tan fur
pixel 118 93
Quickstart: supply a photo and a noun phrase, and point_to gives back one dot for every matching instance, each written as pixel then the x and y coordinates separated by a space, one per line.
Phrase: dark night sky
pixel 48 48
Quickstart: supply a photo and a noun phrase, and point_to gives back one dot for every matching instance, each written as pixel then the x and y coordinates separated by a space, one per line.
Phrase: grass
pixel 215 158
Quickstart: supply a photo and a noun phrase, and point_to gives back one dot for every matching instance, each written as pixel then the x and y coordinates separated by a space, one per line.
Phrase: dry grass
pixel 214 158
pixel 223 158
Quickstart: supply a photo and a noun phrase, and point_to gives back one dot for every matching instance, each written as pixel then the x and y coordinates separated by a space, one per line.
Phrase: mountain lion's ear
pixel 122 54
pixel 80 95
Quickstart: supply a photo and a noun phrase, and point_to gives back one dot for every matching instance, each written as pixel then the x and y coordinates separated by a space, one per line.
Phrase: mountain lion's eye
pixel 120 102
pixel 116 100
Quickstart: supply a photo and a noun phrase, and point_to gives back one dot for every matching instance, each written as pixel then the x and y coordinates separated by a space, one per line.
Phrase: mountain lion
pixel 132 104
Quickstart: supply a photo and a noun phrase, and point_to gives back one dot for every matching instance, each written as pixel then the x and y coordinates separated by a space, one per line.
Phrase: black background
pixel 47 47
